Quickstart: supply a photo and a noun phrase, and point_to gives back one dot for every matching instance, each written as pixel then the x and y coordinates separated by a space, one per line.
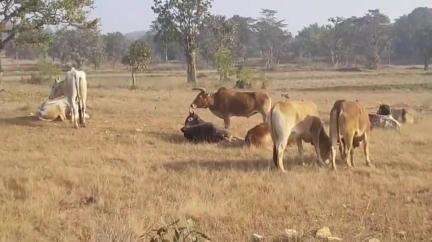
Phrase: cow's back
pixel 353 119
pixel 239 103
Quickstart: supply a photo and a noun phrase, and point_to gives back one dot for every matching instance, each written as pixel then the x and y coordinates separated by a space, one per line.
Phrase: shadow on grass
pixel 173 138
pixel 239 165
pixel 29 121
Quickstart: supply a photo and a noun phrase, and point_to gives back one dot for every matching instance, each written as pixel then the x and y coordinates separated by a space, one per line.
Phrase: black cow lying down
pixel 198 130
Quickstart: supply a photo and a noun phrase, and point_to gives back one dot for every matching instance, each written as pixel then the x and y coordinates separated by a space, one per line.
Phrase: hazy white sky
pixel 133 15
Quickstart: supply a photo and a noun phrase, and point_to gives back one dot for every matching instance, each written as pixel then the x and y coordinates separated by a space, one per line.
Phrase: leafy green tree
pixel 224 63
pixel 137 58
pixel 31 16
pixel 165 37
pixel 115 47
pixel 184 17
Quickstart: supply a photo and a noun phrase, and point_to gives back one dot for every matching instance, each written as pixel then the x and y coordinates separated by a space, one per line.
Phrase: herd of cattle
pixel 288 122
pixel 284 123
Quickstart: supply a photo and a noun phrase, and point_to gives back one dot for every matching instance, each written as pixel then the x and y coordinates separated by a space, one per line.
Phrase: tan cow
pixel 297 121
pixel 349 126
pixel 226 103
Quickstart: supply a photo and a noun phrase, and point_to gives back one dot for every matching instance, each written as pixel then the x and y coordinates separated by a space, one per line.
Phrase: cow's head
pixel 203 99
pixel 56 89
pixel 193 119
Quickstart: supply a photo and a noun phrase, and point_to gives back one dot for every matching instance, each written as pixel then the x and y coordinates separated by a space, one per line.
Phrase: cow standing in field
pixel 297 121
pixel 226 103
pixel 349 126
pixel 74 88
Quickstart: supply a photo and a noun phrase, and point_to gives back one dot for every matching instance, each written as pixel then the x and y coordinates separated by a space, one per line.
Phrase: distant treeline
pixel 371 41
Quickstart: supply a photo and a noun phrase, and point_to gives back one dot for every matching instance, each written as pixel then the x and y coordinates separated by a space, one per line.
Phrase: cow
pixel 197 130
pixel 402 115
pixel 349 126
pixel 383 121
pixel 297 121
pixel 54 109
pixel 259 136
pixel 74 88
pixel 226 103
pixel 57 89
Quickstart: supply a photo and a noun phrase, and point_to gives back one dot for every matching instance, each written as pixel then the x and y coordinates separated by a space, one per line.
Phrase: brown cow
pixel 226 103
pixel 259 136
pixel 349 126
pixel 297 121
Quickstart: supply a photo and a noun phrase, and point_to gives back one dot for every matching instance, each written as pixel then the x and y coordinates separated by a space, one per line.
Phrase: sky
pixel 136 15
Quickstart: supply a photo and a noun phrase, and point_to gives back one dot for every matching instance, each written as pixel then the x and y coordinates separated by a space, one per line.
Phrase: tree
pixel 137 58
pixel 224 63
pixel 217 35
pixel 245 38
pixel 272 38
pixel 31 16
pixel 165 36
pixel 115 47
pixel 184 17
pixel 412 38
pixel 77 46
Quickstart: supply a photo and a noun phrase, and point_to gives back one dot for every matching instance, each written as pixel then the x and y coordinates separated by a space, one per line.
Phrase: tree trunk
pixel 133 78
pixel 191 65
pixel 426 62
pixel 166 52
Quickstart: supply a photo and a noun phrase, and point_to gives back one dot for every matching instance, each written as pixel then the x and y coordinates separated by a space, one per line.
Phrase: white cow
pixel 54 109
pixel 75 90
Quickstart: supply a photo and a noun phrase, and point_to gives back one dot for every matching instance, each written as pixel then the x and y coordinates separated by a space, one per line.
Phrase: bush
pixel 244 78
pixel 224 64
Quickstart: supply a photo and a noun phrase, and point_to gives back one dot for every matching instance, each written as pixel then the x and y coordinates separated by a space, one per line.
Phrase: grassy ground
pixel 131 170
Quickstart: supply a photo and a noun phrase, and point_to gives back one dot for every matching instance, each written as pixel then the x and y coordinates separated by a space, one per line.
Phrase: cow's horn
pixel 199 89
pixel 191 110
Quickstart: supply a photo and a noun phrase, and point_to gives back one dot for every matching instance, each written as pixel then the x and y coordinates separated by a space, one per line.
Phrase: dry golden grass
pixel 131 169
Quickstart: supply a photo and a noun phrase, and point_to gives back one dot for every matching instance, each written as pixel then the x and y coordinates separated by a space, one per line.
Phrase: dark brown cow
pixel 226 103
pixel 197 130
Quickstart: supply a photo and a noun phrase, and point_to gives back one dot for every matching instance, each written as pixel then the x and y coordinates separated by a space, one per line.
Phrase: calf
pixel 349 126
pixel 297 121
pixel 197 130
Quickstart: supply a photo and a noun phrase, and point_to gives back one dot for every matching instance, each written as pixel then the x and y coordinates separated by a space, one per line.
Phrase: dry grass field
pixel 131 169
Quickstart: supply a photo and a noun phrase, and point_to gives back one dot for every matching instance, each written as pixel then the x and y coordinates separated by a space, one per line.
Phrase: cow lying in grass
pixel 401 115
pixel 197 130
pixel 383 121
pixel 55 109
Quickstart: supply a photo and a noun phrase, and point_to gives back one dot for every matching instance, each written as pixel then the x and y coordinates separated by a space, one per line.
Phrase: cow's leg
pixel 366 149
pixel 349 138
pixel 300 149
pixel 74 111
pixel 227 122
pixel 352 156
pixel 333 155
pixel 278 150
